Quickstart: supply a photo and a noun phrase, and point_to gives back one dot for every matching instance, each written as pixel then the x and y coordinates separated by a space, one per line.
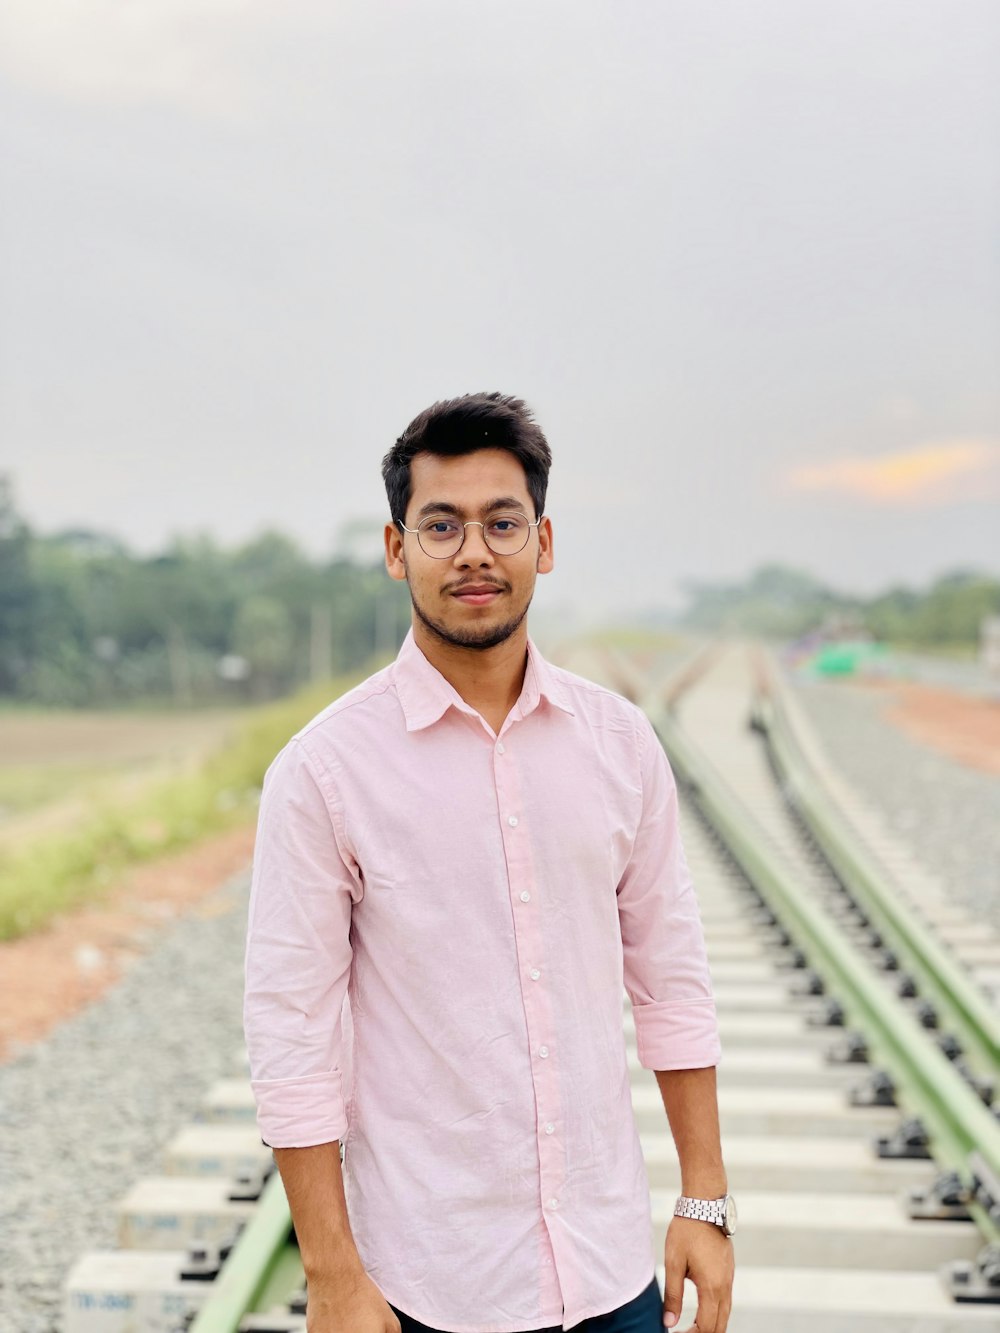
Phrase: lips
pixel 477 594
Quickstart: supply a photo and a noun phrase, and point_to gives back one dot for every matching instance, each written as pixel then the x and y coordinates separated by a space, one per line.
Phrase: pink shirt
pixel 441 925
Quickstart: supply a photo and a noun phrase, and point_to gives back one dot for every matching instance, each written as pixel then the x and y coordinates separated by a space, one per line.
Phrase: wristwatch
pixel 720 1212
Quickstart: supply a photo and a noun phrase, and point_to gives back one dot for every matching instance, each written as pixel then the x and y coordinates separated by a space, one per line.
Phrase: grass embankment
pixel 636 638
pixel 58 871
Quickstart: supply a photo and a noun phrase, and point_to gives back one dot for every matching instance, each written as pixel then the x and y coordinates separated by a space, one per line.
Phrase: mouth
pixel 477 594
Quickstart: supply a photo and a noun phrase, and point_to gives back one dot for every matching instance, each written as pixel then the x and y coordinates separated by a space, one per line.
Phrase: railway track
pixel 859 1025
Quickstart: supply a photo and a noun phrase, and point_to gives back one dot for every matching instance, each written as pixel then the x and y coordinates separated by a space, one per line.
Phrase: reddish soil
pixel 962 726
pixel 52 973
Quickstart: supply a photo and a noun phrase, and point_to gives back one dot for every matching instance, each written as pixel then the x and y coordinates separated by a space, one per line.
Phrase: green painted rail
pixel 248 1271
pixel 957 1121
pixel 961 1004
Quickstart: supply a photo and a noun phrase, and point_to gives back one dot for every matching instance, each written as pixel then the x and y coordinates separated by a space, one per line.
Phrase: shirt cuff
pixel 300 1112
pixel 677 1035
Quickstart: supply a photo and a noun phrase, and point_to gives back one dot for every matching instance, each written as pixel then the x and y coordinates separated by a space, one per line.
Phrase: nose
pixel 474 550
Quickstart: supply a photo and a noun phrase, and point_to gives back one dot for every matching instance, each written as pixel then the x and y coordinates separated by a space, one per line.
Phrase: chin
pixel 479 635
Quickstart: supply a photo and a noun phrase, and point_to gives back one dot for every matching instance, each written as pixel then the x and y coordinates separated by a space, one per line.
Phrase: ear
pixel 546 557
pixel 394 561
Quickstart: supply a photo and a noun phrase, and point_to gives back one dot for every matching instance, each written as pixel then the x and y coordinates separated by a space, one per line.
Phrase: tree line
pixel 783 603
pixel 86 622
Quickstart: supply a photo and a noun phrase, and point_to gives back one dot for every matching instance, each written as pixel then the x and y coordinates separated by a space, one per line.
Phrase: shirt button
pixel 526 897
pixel 535 974
pixel 500 747
pixel 553 1203
pixel 512 820
pixel 550 1129
pixel 543 1051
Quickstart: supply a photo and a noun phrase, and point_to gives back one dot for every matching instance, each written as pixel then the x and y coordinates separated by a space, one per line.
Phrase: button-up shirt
pixel 443 925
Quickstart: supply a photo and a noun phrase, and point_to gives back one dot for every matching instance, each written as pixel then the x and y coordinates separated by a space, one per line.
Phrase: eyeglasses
pixel 441 536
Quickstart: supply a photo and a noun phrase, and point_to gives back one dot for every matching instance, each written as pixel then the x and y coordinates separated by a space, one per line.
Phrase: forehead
pixel 469 481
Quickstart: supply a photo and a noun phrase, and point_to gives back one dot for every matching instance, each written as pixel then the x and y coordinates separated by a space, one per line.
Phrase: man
pixel 459 866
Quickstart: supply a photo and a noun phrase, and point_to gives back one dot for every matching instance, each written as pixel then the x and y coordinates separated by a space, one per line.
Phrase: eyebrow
pixel 443 507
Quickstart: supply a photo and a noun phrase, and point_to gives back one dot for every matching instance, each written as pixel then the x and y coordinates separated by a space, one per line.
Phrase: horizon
pixel 687 586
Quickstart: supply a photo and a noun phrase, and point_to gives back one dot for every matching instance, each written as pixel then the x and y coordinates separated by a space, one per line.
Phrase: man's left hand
pixel 702 1252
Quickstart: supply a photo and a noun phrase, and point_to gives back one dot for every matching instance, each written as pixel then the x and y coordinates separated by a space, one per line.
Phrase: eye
pixel 506 524
pixel 439 529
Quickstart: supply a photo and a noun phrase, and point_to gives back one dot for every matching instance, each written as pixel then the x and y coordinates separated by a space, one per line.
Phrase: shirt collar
pixel 425 696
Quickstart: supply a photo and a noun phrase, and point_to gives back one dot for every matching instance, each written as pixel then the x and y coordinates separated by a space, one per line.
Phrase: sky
pixel 740 257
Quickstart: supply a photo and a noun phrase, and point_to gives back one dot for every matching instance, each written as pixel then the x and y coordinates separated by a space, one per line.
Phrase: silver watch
pixel 720 1212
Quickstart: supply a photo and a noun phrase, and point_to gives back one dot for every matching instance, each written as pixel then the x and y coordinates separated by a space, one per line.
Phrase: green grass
pixel 636 638
pixel 45 876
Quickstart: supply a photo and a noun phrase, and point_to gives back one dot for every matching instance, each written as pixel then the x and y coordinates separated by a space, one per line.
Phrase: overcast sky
pixel 740 257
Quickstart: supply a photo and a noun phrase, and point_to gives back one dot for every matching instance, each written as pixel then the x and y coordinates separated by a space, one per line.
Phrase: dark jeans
pixel 642 1315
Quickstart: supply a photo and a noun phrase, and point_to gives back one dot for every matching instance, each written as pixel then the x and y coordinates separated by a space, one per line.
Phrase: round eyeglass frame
pixel 472 523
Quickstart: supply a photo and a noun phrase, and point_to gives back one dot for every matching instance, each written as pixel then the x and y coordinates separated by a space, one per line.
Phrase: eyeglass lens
pixel 441 536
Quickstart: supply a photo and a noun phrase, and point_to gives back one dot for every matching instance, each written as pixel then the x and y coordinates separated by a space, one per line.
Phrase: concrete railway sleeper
pixel 865 1194
pixel 836 935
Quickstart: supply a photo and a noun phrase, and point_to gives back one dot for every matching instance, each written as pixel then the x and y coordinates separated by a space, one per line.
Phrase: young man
pixel 459 866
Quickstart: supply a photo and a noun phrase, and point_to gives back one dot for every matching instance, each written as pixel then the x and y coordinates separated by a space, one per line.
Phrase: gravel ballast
pixel 948 813
pixel 89 1109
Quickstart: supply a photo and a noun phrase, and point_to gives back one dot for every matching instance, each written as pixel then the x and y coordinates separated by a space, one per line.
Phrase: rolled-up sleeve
pixel 665 964
pixel 298 958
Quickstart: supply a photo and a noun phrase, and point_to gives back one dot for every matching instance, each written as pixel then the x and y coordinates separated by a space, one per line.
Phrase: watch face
pixel 730 1214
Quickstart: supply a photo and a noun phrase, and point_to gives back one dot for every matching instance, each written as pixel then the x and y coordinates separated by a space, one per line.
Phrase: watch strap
pixel 704 1210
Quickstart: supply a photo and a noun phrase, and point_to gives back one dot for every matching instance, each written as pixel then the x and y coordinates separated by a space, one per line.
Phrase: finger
pixel 673 1297
pixel 725 1309
pixel 707 1314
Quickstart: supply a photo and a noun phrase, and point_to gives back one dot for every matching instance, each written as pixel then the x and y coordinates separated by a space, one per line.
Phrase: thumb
pixel 674 1296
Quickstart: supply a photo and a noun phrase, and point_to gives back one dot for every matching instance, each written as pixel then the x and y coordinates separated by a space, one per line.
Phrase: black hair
pixel 463 426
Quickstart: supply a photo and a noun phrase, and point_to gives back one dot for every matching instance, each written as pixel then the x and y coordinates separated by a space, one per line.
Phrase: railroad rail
pixel 929 1033
pixel 856 1089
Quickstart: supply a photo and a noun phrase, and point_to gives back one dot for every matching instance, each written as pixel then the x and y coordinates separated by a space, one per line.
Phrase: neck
pixel 488 679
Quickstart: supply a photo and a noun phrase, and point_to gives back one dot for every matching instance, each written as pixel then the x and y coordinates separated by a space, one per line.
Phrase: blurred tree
pixel 263 634
pixel 17 590
pixel 781 602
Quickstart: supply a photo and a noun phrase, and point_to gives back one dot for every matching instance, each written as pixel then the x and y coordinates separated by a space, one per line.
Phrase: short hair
pixel 464 426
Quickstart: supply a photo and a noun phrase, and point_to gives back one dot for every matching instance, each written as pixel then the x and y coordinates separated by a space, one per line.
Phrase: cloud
pixel 106 52
pixel 936 473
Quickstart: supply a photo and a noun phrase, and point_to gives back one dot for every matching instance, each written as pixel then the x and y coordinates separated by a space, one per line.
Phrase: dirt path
pixel 69 760
pixel 47 976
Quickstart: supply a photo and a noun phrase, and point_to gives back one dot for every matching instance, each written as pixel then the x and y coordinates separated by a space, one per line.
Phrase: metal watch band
pixel 703 1210
pixel 720 1212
